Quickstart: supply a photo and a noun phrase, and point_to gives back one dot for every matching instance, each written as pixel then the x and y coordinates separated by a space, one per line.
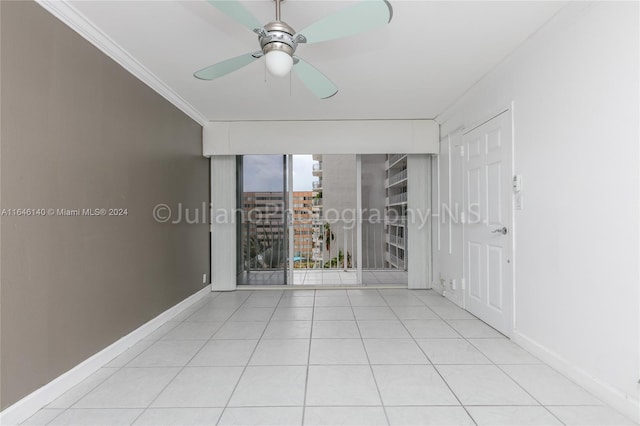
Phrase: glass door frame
pixel 287 223
pixel 290 215
pixel 242 224
pixel 289 218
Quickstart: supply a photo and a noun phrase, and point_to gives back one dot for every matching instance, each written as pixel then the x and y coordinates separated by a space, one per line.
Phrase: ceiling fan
pixel 279 41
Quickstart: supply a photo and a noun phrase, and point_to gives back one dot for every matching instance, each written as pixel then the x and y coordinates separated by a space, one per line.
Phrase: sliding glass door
pixel 297 219
pixel 262 219
pixel 324 219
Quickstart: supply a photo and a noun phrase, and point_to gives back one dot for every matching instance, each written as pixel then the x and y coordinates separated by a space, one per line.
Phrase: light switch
pixel 519 202
pixel 517 183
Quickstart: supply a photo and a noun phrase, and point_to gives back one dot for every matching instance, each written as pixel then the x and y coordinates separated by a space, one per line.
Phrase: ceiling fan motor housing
pixel 279 36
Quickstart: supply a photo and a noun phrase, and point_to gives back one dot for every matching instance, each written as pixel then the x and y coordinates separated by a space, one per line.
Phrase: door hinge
pixel 463 284
pixel 461 150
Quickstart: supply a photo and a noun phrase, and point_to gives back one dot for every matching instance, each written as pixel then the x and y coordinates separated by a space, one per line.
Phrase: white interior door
pixel 488 260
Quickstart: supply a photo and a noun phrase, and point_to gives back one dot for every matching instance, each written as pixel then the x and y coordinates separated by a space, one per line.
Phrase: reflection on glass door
pixel 324 220
pixel 261 219
pixel 297 220
pixel 384 206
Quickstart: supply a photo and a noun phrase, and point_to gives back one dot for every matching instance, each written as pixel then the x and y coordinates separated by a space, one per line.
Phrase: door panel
pixel 494 277
pixel 451 250
pixel 488 270
pixel 262 230
pixel 474 147
pixel 474 185
pixel 494 140
pixel 494 197
pixel 475 270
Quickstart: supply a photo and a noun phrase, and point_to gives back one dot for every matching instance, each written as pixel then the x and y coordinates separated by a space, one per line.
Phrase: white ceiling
pixel 428 56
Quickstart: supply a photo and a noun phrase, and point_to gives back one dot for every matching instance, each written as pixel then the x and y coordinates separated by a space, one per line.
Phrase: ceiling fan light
pixel 279 63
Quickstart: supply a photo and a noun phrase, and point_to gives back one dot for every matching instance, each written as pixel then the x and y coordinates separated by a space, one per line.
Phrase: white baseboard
pixel 30 404
pixel 625 404
pixel 451 296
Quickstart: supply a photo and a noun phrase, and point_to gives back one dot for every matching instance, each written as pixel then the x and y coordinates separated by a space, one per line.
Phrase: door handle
pixel 502 231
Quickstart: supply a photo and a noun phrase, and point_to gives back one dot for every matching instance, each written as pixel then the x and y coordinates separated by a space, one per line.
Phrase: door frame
pixel 290 219
pixel 509 109
pixel 239 220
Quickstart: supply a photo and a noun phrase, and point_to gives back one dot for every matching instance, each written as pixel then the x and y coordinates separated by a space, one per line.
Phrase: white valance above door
pixel 320 137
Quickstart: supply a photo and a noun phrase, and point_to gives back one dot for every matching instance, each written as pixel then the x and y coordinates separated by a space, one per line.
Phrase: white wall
pixel 320 137
pixel 447 207
pixel 574 88
pixel 418 255
pixel 223 223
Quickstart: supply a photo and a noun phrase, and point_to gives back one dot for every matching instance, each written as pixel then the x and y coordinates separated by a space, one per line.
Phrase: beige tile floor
pixel 326 357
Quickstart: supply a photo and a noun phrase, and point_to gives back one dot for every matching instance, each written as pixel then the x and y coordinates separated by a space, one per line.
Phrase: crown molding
pixel 70 16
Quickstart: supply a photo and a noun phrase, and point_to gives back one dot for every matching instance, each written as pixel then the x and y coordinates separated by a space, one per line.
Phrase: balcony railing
pixel 317 167
pixel 396 240
pixel 394 260
pixel 394 158
pixel 317 184
pixel 398 198
pixel 398 177
pixel 333 245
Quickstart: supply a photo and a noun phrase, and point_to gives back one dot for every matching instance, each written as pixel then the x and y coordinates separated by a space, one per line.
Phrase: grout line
pixel 434 368
pixel 83 395
pixel 524 390
pixel 308 364
pixel 187 363
pixel 375 381
pixel 63 410
pixel 250 356
pixel 328 406
pixel 306 379
pixel 489 359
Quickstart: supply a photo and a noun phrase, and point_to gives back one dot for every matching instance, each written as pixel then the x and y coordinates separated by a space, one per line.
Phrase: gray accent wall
pixel 78 131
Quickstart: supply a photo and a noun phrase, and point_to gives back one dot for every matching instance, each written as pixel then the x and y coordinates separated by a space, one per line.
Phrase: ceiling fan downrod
pixel 278 10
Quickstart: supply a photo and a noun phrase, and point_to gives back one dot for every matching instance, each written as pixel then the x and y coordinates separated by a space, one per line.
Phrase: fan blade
pixel 320 85
pixel 237 11
pixel 225 67
pixel 364 16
